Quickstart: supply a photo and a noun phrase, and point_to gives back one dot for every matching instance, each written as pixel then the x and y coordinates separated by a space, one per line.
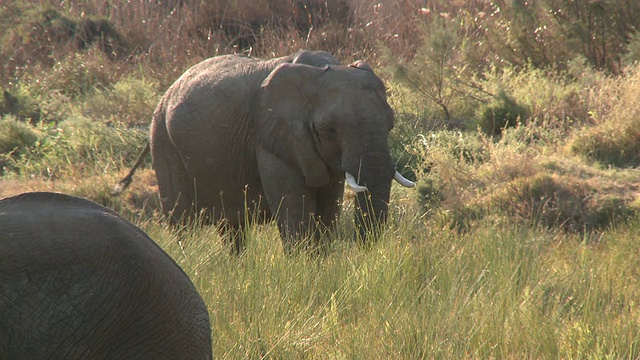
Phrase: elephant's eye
pixel 325 131
pixel 329 133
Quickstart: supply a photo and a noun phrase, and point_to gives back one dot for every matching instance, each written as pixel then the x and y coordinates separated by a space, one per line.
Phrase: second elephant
pixel 79 282
pixel 244 138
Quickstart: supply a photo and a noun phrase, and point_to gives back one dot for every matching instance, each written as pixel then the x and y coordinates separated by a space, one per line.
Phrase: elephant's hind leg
pixel 175 187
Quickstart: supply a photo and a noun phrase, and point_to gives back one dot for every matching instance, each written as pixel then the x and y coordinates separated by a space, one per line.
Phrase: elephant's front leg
pixel 291 201
pixel 328 200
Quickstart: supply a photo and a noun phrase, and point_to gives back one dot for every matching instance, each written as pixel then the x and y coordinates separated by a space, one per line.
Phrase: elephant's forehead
pixel 350 77
pixel 353 88
pixel 346 106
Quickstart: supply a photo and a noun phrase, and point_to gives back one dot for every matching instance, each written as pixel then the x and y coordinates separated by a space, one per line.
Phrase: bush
pixel 610 144
pixel 438 73
pixel 130 102
pixel 93 147
pixel 464 178
pixel 21 107
pixel 633 49
pixel 502 113
pixel 15 136
pixel 446 164
pixel 614 139
pixel 50 33
pixel 559 99
pixel 73 76
pixel 76 147
pixel 562 201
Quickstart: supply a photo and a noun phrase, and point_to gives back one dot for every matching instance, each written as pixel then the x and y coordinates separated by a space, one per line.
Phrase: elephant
pixel 246 139
pixel 79 282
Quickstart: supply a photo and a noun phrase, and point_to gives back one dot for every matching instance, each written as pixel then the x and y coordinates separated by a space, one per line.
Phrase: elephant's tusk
pixel 354 184
pixel 403 181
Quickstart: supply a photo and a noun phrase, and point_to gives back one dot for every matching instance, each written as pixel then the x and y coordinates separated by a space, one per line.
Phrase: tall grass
pixel 499 292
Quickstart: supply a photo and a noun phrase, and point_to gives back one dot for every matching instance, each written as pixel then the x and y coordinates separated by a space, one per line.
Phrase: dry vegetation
pixel 520 121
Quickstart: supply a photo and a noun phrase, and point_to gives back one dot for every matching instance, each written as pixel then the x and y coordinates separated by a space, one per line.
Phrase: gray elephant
pixel 79 282
pixel 243 138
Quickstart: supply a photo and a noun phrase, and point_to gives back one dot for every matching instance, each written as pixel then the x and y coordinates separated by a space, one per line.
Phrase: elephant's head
pixel 332 123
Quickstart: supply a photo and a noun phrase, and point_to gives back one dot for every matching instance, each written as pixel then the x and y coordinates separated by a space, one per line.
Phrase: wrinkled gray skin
pixel 79 282
pixel 275 137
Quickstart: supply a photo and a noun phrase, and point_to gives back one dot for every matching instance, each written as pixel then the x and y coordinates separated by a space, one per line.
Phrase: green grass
pixel 498 292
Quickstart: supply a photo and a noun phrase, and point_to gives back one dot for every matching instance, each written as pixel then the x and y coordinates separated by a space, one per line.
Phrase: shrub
pixel 75 75
pixel 560 100
pixel 50 31
pixel 438 72
pixel 614 139
pixel 89 146
pixel 74 148
pixel 563 201
pixel 21 107
pixel 446 163
pixel 610 144
pixel 464 178
pixel 130 101
pixel 430 196
pixel 15 136
pixel 499 114
pixel 632 55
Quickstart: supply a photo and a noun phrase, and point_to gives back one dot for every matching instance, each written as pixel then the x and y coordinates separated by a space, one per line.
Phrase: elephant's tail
pixel 124 183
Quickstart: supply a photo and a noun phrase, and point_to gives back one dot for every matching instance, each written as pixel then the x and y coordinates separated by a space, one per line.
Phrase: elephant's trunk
pixel 372 207
pixel 371 180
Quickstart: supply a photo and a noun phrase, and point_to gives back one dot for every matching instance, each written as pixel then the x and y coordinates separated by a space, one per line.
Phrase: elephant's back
pixel 52 229
pixel 219 80
pixel 70 268
pixel 214 92
pixel 46 219
pixel 213 71
pixel 29 201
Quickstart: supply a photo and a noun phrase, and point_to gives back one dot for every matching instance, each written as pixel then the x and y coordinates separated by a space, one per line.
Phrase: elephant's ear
pixel 284 128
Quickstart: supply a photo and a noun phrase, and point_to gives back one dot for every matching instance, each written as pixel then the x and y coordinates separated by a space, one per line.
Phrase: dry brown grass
pixel 169 36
